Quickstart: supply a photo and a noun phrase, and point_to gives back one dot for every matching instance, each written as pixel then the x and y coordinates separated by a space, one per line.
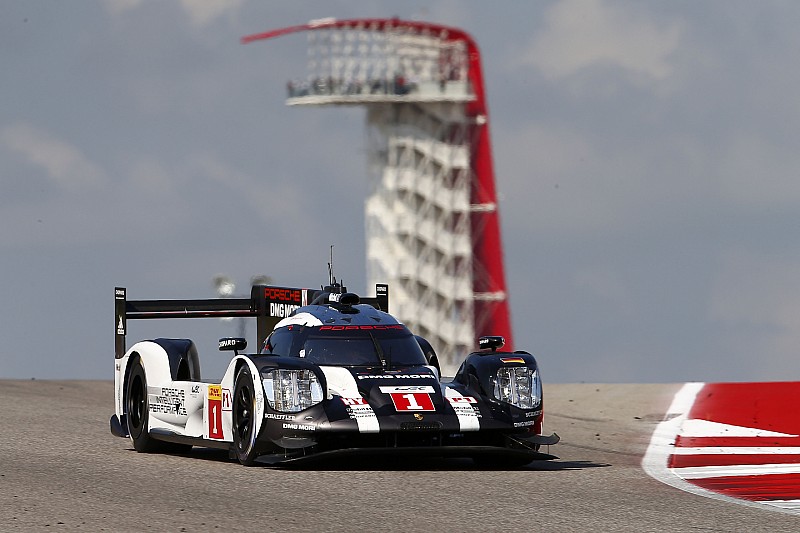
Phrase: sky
pixel 646 157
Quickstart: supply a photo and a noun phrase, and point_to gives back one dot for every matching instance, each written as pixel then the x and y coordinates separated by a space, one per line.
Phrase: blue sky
pixel 645 153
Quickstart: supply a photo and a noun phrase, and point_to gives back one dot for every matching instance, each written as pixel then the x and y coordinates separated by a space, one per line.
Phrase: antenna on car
pixel 331 277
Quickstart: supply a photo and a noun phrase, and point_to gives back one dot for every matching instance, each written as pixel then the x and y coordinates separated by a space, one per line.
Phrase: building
pixel 432 221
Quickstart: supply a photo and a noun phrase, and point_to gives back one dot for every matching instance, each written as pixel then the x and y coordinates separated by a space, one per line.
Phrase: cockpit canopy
pixel 387 346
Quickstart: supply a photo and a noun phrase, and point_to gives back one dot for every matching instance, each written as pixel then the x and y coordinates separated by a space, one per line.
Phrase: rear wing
pixel 267 304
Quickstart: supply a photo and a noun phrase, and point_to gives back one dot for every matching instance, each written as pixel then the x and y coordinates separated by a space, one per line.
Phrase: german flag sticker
pixel 508 360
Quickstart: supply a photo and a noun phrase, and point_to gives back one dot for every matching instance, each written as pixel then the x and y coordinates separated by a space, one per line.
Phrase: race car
pixel 336 375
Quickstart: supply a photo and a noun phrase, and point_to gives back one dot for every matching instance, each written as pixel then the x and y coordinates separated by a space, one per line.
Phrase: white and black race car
pixel 336 375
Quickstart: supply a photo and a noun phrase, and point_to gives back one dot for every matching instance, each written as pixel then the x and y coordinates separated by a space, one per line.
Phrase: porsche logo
pixel 418 416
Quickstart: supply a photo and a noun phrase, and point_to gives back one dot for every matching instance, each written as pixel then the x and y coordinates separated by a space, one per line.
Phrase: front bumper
pixel 298 459
pixel 517 447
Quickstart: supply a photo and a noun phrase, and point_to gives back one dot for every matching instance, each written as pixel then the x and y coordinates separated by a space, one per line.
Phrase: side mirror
pixel 491 342
pixel 232 343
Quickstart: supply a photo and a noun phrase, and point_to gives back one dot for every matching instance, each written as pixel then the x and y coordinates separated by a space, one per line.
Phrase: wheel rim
pixel 137 403
pixel 243 415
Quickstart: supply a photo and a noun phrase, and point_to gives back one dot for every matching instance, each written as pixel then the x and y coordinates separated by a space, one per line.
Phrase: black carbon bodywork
pixel 330 427
pixel 184 364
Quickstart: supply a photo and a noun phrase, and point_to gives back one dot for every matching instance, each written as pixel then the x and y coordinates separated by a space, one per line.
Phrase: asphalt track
pixel 61 469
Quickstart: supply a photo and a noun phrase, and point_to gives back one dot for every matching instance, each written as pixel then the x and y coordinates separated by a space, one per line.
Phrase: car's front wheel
pixel 244 423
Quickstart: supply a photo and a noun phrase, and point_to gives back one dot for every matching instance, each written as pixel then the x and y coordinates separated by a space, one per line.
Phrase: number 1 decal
pixel 414 401
pixel 411 397
pixel 215 412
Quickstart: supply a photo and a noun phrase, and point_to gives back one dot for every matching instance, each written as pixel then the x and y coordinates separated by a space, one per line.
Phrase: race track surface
pixel 61 469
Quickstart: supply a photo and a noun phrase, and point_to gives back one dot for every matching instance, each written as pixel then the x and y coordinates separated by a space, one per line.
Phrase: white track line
pixel 703 472
pixel 705 428
pixel 662 445
pixel 738 450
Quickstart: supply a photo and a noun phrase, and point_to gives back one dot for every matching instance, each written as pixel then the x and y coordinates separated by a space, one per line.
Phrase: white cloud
pixel 64 164
pixel 584 33
pixel 201 12
pixel 273 200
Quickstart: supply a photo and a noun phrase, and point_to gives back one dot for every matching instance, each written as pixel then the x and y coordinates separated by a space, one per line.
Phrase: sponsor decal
pixel 406 388
pixel 169 401
pixel 526 423
pixel 342 383
pixel 530 414
pixel 465 408
pixel 282 295
pixel 214 409
pixel 282 310
pixel 411 398
pixel 259 403
pixel 398 376
pixel 354 401
pixel 460 400
pixel 227 400
pixel 380 327
pixel 215 392
pixel 120 325
pixel 359 410
pixel 512 360
pixel 278 416
pixel 300 427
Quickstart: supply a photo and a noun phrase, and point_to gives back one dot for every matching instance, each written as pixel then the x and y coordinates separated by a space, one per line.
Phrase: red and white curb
pixel 724 441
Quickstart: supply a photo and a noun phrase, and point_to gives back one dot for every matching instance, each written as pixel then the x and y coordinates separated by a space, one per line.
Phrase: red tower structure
pixel 433 227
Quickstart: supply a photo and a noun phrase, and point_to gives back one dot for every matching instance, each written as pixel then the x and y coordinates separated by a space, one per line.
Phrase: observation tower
pixel 432 221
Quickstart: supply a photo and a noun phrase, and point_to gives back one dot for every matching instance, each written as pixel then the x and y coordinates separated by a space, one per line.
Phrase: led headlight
pixel 519 386
pixel 291 391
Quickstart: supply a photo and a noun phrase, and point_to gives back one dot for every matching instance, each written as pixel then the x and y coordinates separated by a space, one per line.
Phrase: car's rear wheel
pixel 138 413
pixel 138 410
pixel 244 423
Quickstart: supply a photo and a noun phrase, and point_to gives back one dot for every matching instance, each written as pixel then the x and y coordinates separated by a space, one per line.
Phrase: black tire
pixel 138 413
pixel 244 422
pixel 138 410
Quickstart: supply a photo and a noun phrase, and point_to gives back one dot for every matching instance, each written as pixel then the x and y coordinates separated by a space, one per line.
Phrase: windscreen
pixel 389 346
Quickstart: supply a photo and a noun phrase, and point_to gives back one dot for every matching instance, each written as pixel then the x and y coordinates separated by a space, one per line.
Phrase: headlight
pixel 519 386
pixel 292 390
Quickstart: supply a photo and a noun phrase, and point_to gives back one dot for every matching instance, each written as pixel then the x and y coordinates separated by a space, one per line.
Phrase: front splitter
pixel 417 451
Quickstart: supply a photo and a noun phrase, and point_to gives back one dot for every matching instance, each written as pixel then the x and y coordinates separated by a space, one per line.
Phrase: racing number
pixel 412 401
pixel 215 412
